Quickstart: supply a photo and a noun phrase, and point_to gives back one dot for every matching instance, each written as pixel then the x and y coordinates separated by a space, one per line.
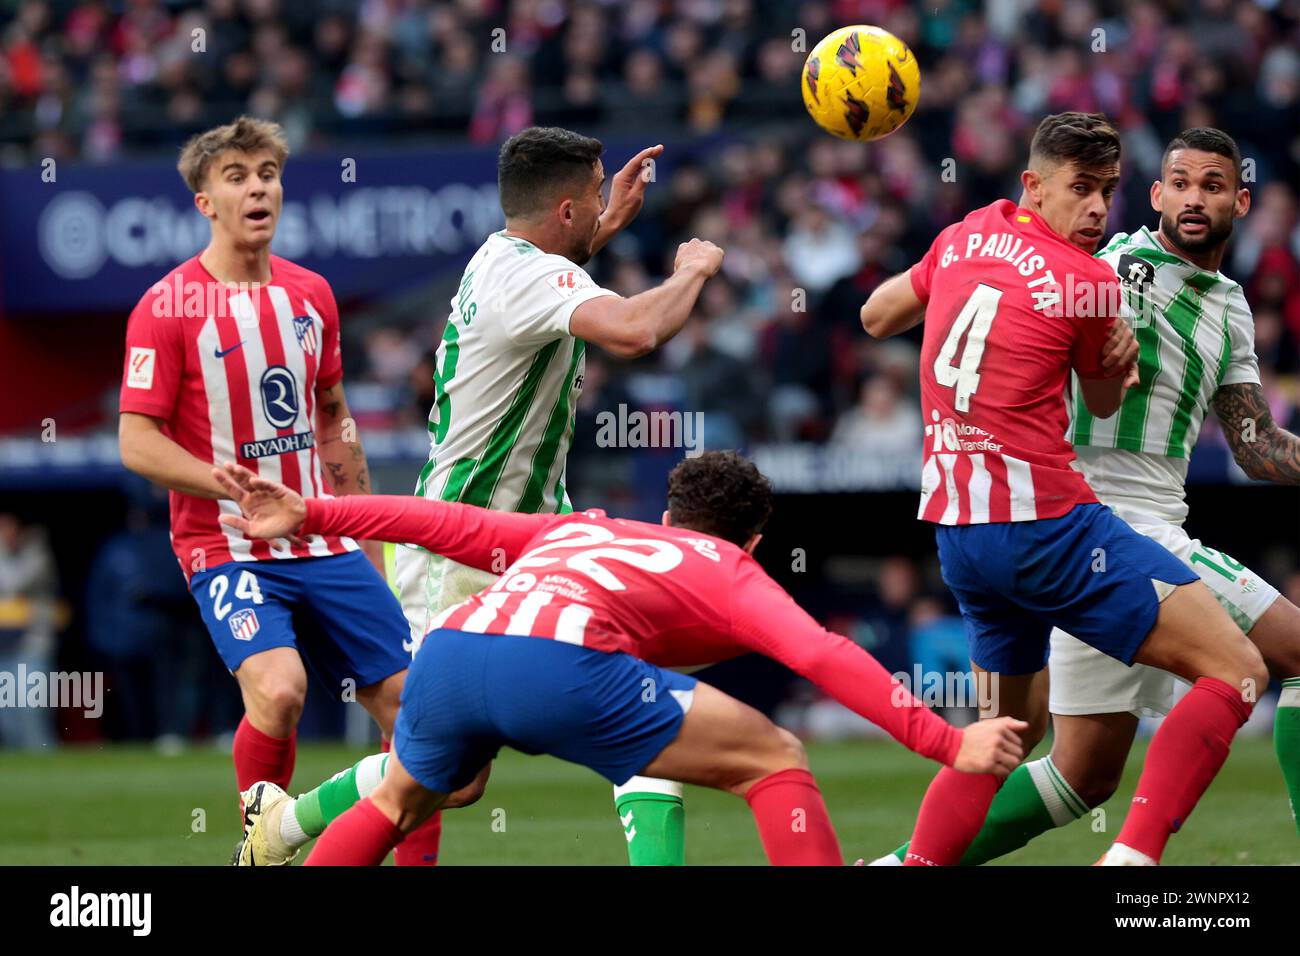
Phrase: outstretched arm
pixel 767 620
pixel 473 536
pixel 1264 450
pixel 630 328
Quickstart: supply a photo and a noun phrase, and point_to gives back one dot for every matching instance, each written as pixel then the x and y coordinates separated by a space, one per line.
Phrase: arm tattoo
pixel 336 474
pixel 1263 449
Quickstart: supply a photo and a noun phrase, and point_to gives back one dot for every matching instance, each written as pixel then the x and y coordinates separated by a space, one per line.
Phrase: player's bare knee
pixel 1247 669
pixel 1096 787
pixel 791 754
pixel 467 795
pixel 275 705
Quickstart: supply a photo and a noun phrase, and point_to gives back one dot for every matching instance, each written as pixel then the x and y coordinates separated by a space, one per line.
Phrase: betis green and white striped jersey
pixel 1195 333
pixel 508 379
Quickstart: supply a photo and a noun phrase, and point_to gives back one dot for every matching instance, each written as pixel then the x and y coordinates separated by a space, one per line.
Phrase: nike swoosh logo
pixel 222 353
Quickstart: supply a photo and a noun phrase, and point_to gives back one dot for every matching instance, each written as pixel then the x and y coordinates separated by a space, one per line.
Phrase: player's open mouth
pixel 1090 233
pixel 1194 223
pixel 259 215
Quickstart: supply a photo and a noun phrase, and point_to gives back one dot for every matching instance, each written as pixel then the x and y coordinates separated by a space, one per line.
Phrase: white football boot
pixel 264 805
pixel 1121 855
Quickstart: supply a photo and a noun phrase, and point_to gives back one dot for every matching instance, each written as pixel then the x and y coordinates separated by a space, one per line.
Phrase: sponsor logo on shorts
pixel 244 624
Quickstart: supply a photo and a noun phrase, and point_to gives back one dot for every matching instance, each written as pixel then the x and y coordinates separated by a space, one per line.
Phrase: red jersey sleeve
pixel 330 372
pixel 473 536
pixel 767 620
pixel 155 356
pixel 1094 328
pixel 922 273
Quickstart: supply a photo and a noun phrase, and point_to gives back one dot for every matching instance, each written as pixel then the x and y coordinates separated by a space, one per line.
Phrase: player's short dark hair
pixel 721 494
pixel 536 162
pixel 1086 139
pixel 1208 140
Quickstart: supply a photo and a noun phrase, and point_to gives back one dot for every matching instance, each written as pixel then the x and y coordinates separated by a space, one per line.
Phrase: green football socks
pixel 654 821
pixel 1034 799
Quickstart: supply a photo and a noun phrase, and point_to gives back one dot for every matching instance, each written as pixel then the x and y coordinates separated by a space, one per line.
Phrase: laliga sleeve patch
pixel 140 370
pixel 566 284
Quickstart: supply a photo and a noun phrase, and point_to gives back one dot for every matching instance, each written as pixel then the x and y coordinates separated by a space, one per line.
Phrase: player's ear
pixel 667 519
pixel 1157 189
pixel 752 543
pixel 1033 184
pixel 203 203
pixel 1242 205
pixel 565 211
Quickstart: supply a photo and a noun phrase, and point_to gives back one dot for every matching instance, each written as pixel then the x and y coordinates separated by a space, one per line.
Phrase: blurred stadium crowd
pixel 810 224
pixel 775 352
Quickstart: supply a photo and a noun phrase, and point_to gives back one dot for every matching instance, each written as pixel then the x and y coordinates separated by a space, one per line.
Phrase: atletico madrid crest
pixel 243 624
pixel 304 327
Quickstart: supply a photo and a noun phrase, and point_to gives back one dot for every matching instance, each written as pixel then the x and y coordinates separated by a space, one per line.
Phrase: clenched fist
pixel 699 252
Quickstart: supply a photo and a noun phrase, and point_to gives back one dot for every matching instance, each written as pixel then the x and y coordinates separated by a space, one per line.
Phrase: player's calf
pixel 402 799
pixel 1194 638
pixel 382 700
pixel 730 746
pixel 1090 751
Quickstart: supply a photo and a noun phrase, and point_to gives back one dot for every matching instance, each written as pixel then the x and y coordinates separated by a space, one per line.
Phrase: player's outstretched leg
pixel 1081 772
pixel 371 828
pixel 284 824
pixel 653 816
pixel 956 804
pixel 730 746
pixel 1195 639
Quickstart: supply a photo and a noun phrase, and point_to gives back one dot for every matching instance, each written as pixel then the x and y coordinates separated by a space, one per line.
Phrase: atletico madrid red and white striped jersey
pixel 670 596
pixel 1011 307
pixel 233 374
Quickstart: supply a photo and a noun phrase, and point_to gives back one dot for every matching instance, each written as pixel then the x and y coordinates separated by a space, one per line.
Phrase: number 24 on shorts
pixel 246 589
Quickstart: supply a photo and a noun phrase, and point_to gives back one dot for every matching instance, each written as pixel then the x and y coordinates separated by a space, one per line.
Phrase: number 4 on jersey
pixel 977 316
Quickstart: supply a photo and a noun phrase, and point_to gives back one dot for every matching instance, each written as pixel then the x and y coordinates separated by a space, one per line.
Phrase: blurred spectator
pixel 883 422
pixel 28 621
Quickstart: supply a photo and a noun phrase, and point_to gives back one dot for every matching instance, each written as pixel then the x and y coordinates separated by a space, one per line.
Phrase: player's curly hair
pixel 1086 139
pixel 245 135
pixel 721 494
pixel 535 162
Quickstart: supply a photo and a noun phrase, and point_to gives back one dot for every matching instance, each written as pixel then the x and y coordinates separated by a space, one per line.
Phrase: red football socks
pixel 950 817
pixel 792 820
pixel 420 848
pixel 1186 753
pixel 361 836
pixel 259 756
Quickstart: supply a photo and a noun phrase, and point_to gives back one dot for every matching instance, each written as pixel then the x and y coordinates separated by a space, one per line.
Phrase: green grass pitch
pixel 122 805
